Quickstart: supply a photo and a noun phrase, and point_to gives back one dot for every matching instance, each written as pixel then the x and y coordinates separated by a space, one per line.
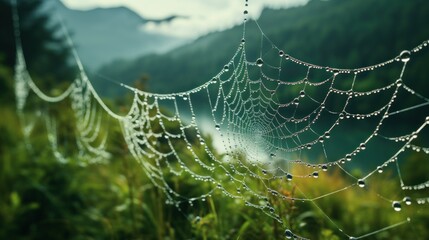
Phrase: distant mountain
pixel 103 34
pixel 165 20
pixel 342 33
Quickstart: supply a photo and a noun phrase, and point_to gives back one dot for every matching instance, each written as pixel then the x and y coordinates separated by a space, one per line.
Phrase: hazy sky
pixel 203 15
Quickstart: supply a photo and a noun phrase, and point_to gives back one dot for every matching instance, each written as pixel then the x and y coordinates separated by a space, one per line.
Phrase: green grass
pixel 44 199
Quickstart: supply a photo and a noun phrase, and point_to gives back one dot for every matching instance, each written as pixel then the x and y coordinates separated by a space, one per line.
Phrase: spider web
pixel 267 132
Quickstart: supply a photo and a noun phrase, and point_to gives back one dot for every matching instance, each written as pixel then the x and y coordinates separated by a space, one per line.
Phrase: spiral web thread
pixel 269 129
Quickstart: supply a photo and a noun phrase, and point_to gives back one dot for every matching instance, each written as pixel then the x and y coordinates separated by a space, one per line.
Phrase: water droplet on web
pixel 362 146
pixel 217 127
pixel 361 183
pixel 407 200
pixel 379 169
pixel 302 94
pixel 405 56
pixel 325 168
pixel 399 82
pixel 226 68
pixel 245 12
pixel 315 174
pixel 336 72
pixel 288 234
pixel 396 206
pixel 289 177
pixel 327 135
pixel 281 53
pixel 259 62
pixel 348 157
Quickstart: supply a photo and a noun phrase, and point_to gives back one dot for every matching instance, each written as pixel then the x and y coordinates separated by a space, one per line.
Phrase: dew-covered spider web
pixel 267 128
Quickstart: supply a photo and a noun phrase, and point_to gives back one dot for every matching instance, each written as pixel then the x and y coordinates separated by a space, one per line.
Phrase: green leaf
pixel 15 199
pixel 243 228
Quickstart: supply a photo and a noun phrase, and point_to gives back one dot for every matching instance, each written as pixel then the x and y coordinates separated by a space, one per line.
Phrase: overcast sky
pixel 203 15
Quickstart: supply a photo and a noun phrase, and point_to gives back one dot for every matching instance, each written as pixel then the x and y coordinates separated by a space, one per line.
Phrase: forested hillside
pixel 340 33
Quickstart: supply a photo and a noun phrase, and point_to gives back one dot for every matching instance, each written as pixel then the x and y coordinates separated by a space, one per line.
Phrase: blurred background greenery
pixel 41 198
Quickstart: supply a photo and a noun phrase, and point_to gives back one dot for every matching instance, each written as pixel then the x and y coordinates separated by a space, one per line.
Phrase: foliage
pixel 46 199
